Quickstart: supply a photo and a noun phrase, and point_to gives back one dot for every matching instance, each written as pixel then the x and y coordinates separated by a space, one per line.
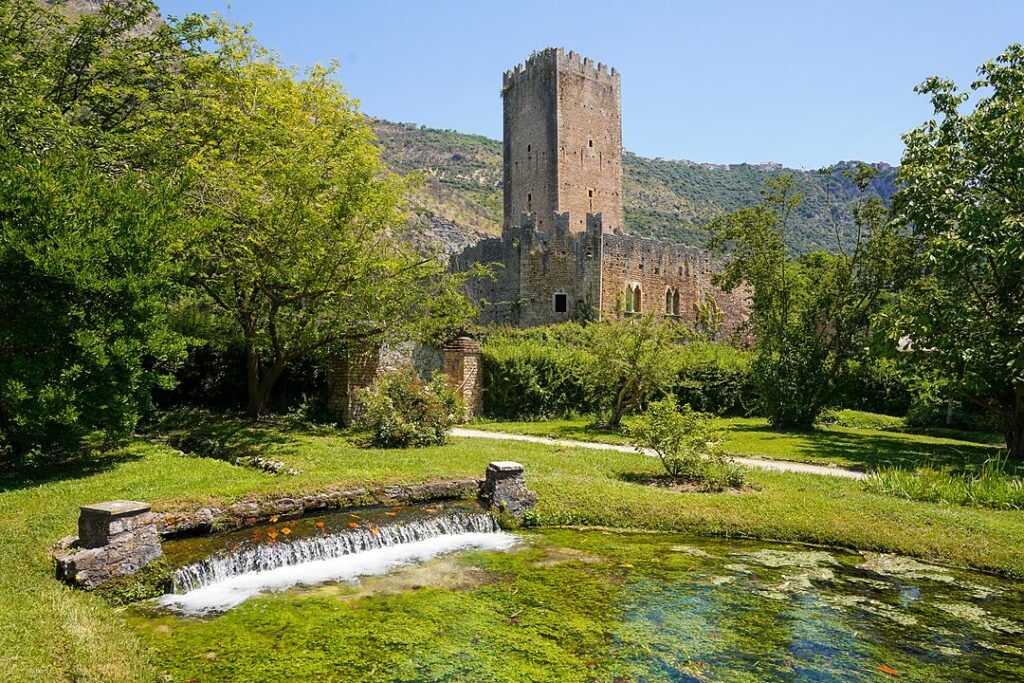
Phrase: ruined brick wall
pixel 562 140
pixel 560 263
pixel 498 296
pixel 659 268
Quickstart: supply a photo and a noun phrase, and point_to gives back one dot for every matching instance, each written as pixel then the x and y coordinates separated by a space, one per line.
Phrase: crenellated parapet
pixel 543 61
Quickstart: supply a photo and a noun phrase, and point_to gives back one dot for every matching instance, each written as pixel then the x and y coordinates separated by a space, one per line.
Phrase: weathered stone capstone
pixel 114 538
pixel 505 488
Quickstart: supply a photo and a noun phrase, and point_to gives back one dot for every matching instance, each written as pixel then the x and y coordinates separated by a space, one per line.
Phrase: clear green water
pixel 594 606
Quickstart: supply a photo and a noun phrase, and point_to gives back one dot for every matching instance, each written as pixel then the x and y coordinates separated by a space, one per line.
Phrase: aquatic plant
pixel 990 487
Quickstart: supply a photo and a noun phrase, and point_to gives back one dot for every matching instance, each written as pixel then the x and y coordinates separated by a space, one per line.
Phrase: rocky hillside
pixel 460 197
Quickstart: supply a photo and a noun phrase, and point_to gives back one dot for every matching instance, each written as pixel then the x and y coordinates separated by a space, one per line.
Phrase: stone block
pixel 505 488
pixel 99 523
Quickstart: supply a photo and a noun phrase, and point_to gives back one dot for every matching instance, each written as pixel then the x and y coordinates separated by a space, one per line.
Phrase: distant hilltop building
pixel 562 253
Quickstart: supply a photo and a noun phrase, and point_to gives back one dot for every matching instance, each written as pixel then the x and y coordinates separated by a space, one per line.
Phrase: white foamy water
pixel 223 582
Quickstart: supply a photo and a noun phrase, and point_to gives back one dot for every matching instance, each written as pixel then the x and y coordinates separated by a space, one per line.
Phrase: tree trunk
pixel 1013 430
pixel 257 404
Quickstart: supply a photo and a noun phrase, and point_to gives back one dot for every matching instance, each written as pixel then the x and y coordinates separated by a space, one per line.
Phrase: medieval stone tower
pixel 564 253
pixel 563 141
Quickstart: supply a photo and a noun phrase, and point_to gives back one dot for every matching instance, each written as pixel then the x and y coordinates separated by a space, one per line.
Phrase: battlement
pixel 549 58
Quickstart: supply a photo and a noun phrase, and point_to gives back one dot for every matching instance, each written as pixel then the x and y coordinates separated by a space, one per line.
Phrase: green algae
pixel 570 605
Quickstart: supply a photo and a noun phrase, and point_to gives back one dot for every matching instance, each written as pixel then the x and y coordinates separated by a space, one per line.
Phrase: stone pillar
pixel 114 538
pixel 505 488
pixel 352 368
pixel 462 366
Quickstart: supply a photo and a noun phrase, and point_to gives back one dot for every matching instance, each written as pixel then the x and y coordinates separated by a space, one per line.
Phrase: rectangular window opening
pixel 561 302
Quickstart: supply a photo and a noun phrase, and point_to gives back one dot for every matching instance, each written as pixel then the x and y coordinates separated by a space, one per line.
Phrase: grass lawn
pixel 49 632
pixel 850 447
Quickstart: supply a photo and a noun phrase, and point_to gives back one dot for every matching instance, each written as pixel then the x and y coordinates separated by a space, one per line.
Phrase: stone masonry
pixel 114 539
pixel 505 488
pixel 562 254
pixel 461 365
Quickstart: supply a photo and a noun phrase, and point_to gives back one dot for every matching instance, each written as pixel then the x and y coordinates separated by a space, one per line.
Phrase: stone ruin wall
pixel 593 268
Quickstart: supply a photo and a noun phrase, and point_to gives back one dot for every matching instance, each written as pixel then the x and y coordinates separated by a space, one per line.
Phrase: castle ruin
pixel 563 254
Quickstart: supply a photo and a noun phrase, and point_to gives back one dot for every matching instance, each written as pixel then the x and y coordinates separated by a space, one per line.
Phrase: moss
pixel 151 581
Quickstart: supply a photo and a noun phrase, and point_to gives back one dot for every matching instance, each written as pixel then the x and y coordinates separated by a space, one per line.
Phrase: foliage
pixel 296 219
pixel 541 373
pixel 402 411
pixel 687 443
pixel 963 199
pixel 84 267
pixel 630 361
pixel 990 487
pixel 528 375
pixel 83 285
pixel 713 378
pixel 875 383
pixel 812 313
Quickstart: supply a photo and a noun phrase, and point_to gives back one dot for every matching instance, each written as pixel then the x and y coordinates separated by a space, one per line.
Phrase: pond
pixel 569 605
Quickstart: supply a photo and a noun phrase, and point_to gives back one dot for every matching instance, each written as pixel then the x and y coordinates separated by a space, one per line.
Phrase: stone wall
pixel 350 369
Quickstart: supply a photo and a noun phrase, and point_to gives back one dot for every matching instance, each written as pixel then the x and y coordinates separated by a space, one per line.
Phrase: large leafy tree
pixel 812 313
pixel 962 195
pixel 298 227
pixel 84 267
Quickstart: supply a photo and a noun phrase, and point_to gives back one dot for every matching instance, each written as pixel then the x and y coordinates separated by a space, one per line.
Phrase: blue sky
pixel 802 83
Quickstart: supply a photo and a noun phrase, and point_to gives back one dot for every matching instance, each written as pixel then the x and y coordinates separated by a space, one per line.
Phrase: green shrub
pixel 990 487
pixel 401 411
pixel 541 373
pixel 535 375
pixel 714 378
pixel 686 442
pixel 876 385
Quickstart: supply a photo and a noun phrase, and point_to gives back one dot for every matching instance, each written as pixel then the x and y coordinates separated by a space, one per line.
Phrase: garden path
pixel 774 465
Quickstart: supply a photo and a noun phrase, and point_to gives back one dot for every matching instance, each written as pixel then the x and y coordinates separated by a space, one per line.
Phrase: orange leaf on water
pixel 274 519
pixel 888 670
pixel 390 514
pixel 375 531
pixel 354 515
pixel 272 533
pixel 354 525
pixel 285 530
pixel 431 509
pixel 320 524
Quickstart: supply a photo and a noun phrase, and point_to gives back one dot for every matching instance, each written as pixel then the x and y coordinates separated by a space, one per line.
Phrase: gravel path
pixel 774 465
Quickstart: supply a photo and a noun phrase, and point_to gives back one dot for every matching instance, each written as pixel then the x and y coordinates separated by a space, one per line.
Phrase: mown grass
pixel 850 447
pixel 49 632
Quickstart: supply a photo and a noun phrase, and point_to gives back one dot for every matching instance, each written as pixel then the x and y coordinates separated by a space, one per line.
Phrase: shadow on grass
pixel 868 451
pixel 88 464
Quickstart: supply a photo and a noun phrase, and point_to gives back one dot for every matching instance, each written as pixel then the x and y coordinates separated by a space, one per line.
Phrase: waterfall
pixel 227 579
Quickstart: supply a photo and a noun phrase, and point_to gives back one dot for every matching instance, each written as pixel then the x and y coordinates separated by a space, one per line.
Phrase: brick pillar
pixel 351 368
pixel 461 364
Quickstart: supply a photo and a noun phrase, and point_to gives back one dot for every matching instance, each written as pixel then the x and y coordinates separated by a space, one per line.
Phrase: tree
pixel 687 444
pixel 85 274
pixel 630 361
pixel 298 224
pixel 84 285
pixel 812 313
pixel 962 195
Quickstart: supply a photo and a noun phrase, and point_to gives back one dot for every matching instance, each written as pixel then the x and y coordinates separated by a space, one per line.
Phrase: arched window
pixel 629 299
pixel 675 302
pixel 668 302
pixel 636 300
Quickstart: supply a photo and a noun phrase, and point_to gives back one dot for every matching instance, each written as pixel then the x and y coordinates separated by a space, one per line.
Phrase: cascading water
pixel 227 579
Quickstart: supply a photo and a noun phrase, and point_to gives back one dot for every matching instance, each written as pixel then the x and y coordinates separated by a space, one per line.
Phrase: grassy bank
pixel 49 632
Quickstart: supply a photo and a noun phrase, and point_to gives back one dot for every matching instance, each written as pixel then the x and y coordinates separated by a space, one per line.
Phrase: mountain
pixel 460 197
